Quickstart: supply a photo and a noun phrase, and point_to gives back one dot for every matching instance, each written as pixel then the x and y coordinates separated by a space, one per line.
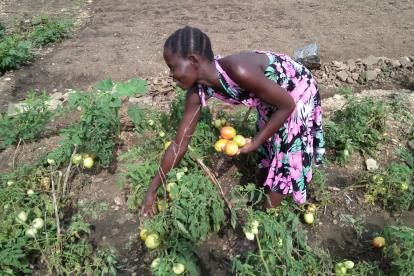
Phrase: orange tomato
pixel 231 148
pixel 378 242
pixel 228 132
pixel 219 144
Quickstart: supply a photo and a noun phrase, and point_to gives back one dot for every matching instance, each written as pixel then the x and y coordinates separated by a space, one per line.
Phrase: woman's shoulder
pixel 238 64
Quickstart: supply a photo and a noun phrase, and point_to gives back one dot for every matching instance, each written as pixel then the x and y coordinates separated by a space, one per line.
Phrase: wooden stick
pixel 14 155
pixel 68 170
pixel 213 179
pixel 54 201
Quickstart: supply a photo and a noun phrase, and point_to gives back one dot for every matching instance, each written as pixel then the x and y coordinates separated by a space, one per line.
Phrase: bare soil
pixel 124 40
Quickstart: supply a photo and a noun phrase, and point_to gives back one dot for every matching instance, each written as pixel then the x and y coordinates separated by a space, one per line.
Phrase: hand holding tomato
pixel 148 205
pixel 248 147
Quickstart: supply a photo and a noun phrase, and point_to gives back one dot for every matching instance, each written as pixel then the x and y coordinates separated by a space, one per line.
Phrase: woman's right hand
pixel 147 205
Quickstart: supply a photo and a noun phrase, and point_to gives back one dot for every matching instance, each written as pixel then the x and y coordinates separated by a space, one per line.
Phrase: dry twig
pixel 14 155
pixel 68 170
pixel 54 201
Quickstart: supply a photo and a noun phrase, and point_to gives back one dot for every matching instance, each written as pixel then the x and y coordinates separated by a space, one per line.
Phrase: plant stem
pixel 54 201
pixel 68 170
pixel 261 254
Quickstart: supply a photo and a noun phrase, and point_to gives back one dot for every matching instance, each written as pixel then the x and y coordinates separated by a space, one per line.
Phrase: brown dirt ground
pixel 124 39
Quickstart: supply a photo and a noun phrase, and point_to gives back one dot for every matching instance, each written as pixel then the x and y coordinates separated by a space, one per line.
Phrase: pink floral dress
pixel 289 152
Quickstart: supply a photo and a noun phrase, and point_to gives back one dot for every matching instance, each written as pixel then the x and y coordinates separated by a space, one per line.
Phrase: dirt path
pixel 123 39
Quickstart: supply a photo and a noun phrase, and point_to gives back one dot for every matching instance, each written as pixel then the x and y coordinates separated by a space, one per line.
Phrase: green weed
pixel 29 122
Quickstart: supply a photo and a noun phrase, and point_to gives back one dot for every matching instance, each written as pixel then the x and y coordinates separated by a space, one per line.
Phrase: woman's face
pixel 182 70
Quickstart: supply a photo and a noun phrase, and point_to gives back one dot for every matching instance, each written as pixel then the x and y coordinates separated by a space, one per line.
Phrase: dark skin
pixel 247 70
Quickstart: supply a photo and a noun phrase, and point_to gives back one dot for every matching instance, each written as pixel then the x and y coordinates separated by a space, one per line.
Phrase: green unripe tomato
pixel 403 186
pixel 155 263
pixel 150 122
pixel 340 268
pixel 77 158
pixel 161 134
pixel 217 123
pixel 88 162
pixel 178 268
pixel 10 183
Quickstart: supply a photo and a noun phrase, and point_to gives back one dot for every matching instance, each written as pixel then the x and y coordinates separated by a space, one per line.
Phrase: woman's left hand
pixel 248 147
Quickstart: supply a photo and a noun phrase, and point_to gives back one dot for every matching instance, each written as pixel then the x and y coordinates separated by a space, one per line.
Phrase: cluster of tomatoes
pixel 152 241
pixel 230 142
pixel 86 158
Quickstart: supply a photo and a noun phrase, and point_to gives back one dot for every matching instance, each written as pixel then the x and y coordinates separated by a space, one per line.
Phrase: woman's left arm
pixel 253 79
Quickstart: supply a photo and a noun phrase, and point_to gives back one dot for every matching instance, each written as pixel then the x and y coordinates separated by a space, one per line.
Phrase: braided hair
pixel 189 40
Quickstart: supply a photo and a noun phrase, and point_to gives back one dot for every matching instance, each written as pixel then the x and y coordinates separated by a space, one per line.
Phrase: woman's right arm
pixel 176 150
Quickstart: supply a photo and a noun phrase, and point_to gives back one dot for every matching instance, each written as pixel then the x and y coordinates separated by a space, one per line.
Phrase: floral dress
pixel 289 152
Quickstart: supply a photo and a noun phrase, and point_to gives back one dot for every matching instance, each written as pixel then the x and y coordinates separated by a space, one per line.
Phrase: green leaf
pixel 182 227
pixel 140 84
pixel 116 103
pixel 105 85
pixel 136 114
pixel 125 89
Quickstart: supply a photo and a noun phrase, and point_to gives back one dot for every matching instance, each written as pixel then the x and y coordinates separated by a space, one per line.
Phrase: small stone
pixel 124 260
pixel 141 101
pixel 371 75
pixel 335 222
pixel 118 200
pixel 342 75
pixel 136 260
pixel 97 180
pixel 134 274
pixel 368 67
pixel 103 238
pixel 57 96
pixel 351 64
pixel 334 213
pixel 114 231
pixel 116 208
pixel 371 60
pixel 7 79
pixel 121 221
pixel 129 216
pixel 371 164
pixel 405 62
pixel 355 76
pixel 411 144
pixel 392 75
pixel 349 80
pixel 394 63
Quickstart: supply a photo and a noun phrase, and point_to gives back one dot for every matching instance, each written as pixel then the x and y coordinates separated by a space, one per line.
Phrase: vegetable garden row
pixel 34 197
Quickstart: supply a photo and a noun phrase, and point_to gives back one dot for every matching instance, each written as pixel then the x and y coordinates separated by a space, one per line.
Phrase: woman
pixel 289 126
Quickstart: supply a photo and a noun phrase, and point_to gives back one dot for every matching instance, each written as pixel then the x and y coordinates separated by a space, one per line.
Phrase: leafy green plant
pixel 392 187
pixel 237 175
pixel 322 193
pixel 359 124
pixel 387 70
pixel 400 249
pixel 13 51
pixel 28 123
pixel 356 224
pixel 283 247
pixel 195 211
pixel 48 30
pixel 407 156
pixel 98 121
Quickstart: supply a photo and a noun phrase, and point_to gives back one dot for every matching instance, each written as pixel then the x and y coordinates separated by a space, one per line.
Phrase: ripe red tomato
pixel 231 148
pixel 228 132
